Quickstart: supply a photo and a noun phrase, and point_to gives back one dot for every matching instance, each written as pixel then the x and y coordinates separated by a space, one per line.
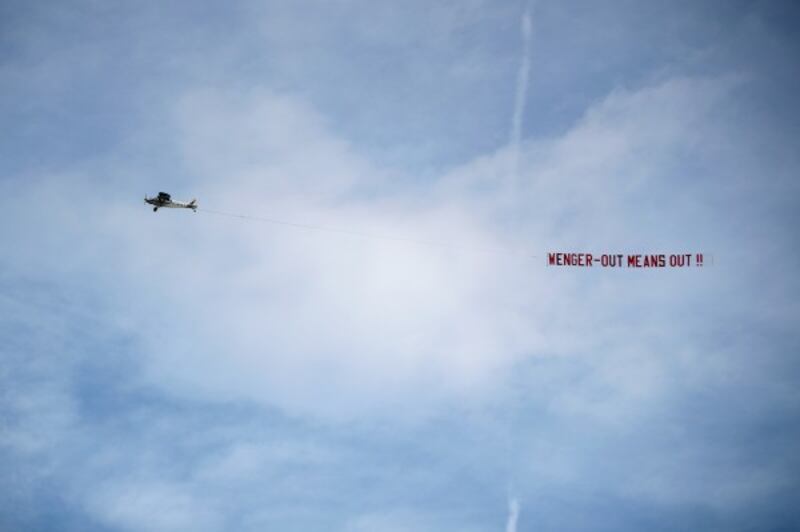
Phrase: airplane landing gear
pixel 155 209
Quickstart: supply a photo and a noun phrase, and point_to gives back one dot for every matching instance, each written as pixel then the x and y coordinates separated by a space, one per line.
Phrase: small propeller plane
pixel 164 200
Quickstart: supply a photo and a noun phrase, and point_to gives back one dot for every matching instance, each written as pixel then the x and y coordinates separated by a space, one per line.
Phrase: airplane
pixel 163 200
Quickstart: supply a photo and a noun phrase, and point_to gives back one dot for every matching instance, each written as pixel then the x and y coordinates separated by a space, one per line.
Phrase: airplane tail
pixel 193 203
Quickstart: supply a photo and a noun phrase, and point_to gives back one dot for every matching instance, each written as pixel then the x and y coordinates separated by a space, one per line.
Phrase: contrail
pixel 513 515
pixel 522 88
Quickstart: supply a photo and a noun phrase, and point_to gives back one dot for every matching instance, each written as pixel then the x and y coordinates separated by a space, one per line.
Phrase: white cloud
pixel 151 505
pixel 337 326
pixel 600 373
pixel 247 461
pixel 400 520
pixel 316 321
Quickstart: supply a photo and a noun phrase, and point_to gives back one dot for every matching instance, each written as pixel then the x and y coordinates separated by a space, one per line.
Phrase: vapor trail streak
pixel 523 76
pixel 513 515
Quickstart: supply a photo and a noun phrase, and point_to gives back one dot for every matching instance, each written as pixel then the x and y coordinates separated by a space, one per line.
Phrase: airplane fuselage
pixel 159 203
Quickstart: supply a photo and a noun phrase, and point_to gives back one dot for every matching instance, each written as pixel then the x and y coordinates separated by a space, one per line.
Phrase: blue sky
pixel 179 371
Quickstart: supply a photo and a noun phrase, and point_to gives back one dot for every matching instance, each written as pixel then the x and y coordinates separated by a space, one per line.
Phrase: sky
pixel 196 371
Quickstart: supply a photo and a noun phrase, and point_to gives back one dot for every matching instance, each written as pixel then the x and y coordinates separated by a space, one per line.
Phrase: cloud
pixel 335 326
pixel 151 505
pixel 398 520
pixel 378 318
pixel 368 348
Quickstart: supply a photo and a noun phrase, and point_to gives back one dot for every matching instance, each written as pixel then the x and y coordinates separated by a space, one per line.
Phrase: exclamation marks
pixel 699 260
